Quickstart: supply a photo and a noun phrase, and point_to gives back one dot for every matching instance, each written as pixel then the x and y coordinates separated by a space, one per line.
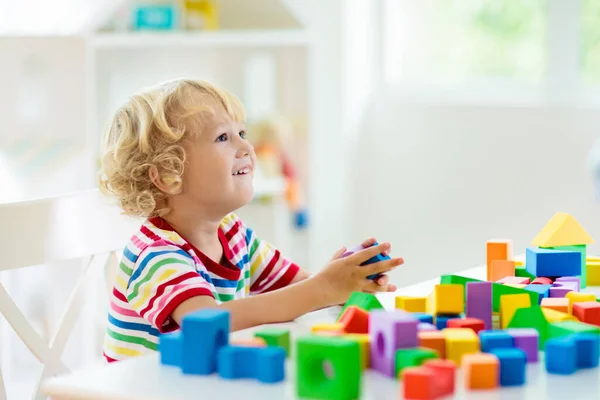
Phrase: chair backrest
pixel 81 225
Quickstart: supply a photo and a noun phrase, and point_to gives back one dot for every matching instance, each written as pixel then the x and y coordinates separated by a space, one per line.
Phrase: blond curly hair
pixel 147 133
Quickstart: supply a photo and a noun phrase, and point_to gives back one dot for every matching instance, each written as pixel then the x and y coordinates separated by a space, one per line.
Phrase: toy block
pixel 379 257
pixel 445 371
pixel 419 383
pixel 411 304
pixel 364 301
pixel 204 333
pixel 587 349
pixel 556 316
pixel 441 321
pixel 526 339
pixel 558 291
pixel 556 304
pixel 474 324
pixel 582 250
pixel 576 297
pixel 481 371
pixel 252 342
pixel 266 364
pixel 532 317
pixel 516 285
pixel 542 290
pixel 521 271
pixel 593 273
pixel 494 339
pixel 426 326
pixel 542 281
pixel 561 356
pixel 479 302
pixel 509 304
pixel 170 346
pixel 435 340
pixel 566 328
pixel 412 358
pixel 390 331
pixel 354 320
pixel 335 328
pixel 446 299
pixel 460 341
pixel 363 341
pixel 328 368
pixel 513 364
pixel 562 230
pixel 501 269
pixel 515 280
pixel 588 312
pixel 498 249
pixel 275 337
pixel 574 279
pixel 422 317
pixel 545 262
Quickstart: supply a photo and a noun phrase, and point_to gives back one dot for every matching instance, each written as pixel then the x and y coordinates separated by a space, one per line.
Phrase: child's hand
pixel 342 276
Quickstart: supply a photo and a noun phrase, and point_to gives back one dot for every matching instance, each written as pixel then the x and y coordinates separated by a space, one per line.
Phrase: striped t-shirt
pixel 160 269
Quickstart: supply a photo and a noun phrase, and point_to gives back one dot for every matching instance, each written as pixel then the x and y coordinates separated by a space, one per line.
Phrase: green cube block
pixel 275 337
pixel 414 357
pixel 364 301
pixel 521 272
pixel 531 317
pixel 565 328
pixel 328 368
pixel 582 249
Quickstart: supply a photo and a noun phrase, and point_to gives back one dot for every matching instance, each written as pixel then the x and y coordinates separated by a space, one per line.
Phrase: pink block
pixel 479 302
pixel 514 279
pixel 388 332
pixel 541 281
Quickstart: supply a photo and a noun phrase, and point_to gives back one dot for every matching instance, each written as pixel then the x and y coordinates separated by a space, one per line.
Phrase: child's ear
pixel 166 184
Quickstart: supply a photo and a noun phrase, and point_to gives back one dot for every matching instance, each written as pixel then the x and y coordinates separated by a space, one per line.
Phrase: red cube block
pixel 445 371
pixel 419 383
pixel 588 312
pixel 355 320
pixel 472 323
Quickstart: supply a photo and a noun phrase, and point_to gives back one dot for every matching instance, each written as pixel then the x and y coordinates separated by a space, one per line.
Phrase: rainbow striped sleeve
pixel 269 269
pixel 163 277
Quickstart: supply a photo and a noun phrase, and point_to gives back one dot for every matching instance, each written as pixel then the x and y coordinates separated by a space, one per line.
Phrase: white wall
pixel 438 180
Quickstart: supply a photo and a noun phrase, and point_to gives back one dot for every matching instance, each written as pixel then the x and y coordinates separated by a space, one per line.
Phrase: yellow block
pixel 363 343
pixel 562 230
pixel 338 328
pixel 517 285
pixel 509 303
pixel 556 316
pixel 591 258
pixel 577 297
pixel 460 341
pixel 519 263
pixel 411 304
pixel 593 273
pixel 446 299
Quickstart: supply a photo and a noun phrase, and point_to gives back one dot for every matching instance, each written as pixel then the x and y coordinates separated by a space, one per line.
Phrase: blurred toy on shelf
pixel 270 138
pixel 155 15
pixel 200 15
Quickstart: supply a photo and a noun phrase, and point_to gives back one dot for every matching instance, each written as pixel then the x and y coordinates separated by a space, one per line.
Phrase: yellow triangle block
pixel 562 230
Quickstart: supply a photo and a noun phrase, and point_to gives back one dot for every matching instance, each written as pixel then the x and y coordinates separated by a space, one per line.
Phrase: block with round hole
pixel 328 368
pixel 204 333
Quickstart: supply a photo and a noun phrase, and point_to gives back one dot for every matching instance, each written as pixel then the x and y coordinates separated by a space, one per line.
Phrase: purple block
pixel 568 281
pixel 426 326
pixel 558 291
pixel 526 339
pixel 479 302
pixel 388 332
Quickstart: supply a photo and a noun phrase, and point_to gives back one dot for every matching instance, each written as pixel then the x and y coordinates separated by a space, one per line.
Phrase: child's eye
pixel 222 138
pixel 243 134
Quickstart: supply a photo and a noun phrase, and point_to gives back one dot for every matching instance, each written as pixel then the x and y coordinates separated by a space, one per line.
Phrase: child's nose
pixel 245 149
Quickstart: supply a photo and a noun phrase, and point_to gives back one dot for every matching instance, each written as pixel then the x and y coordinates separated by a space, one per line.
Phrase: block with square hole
pixel 204 333
pixel 390 331
pixel 328 367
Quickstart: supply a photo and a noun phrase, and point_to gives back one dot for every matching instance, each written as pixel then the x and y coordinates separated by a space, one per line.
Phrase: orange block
pixel 445 371
pixel 435 340
pixel 355 320
pixel 482 371
pixel 252 342
pixel 497 249
pixel 419 383
pixel 501 269
pixel 556 303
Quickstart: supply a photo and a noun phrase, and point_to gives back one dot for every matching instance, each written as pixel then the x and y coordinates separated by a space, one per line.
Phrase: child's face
pixel 220 166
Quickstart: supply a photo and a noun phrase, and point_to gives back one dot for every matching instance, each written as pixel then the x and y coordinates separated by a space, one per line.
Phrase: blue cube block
pixel 491 340
pixel 587 348
pixel 423 317
pixel 204 333
pixel 270 366
pixel 237 362
pixel 170 346
pixel 441 321
pixel 372 260
pixel 561 356
pixel 513 364
pixel 548 263
pixel 543 291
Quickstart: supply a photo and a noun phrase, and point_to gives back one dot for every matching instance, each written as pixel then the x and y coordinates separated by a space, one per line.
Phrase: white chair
pixel 54 230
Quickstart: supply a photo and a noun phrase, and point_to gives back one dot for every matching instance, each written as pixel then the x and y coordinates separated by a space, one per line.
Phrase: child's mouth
pixel 243 171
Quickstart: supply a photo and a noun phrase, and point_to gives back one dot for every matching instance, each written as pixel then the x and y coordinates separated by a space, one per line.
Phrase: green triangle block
pixel 565 328
pixel 275 337
pixel 414 357
pixel 521 272
pixel 531 317
pixel 364 301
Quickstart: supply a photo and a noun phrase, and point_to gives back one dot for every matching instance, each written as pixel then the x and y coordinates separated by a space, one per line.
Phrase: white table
pixel 145 379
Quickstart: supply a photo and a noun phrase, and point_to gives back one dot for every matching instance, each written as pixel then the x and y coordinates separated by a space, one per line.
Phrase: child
pixel 177 155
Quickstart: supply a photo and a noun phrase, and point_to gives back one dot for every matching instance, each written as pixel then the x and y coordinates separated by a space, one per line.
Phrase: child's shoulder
pixel 230 221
